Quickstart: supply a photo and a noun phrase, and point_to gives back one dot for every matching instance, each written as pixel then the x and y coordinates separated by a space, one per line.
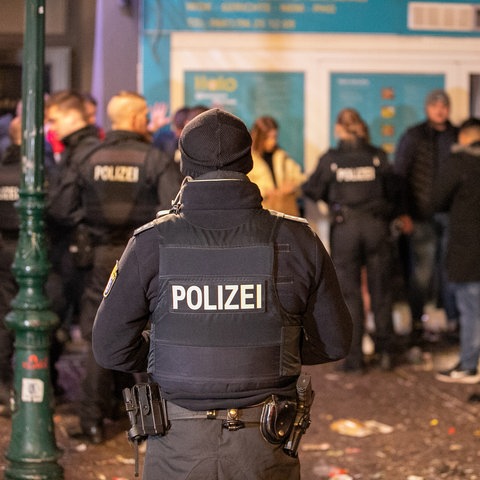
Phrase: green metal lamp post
pixel 32 453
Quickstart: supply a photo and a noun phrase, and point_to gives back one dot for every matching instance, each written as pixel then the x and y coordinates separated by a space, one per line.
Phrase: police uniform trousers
pixel 100 387
pixel 65 281
pixel 8 291
pixel 364 240
pixel 201 449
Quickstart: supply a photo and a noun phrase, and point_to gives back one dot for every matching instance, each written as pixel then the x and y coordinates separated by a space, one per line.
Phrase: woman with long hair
pixel 277 175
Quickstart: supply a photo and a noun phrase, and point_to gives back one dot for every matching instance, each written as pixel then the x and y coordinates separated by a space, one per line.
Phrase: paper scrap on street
pixel 356 428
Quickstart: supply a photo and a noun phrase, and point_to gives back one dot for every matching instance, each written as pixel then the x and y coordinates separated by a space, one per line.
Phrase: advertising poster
pixel 403 17
pixel 162 18
pixel 389 103
pixel 252 94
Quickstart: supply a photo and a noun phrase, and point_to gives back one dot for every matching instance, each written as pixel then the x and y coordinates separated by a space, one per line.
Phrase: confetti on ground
pixel 356 428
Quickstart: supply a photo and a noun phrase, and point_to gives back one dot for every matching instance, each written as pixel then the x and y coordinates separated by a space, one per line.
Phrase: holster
pixel 305 396
pixel 337 214
pixel 277 419
pixel 81 247
pixel 146 411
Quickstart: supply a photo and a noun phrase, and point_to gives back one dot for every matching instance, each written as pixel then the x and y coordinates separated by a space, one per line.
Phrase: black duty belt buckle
pixel 232 423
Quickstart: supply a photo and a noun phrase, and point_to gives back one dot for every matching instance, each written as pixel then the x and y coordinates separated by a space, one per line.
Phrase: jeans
pixel 468 303
pixel 445 291
pixel 426 273
pixel 421 268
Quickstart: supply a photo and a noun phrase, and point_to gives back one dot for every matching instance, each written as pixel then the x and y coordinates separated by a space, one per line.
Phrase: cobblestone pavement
pixel 398 425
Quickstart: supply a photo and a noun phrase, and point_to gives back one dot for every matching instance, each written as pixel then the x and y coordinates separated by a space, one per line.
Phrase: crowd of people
pixel 101 186
pixel 417 196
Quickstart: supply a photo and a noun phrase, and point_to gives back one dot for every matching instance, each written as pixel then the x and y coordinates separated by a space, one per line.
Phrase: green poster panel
pixel 389 103
pixel 252 94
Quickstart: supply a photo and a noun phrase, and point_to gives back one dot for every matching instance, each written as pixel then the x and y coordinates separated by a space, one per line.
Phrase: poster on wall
pixel 389 103
pixel 161 18
pixel 405 17
pixel 252 94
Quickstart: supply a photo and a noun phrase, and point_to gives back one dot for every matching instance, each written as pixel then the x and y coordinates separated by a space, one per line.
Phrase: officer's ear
pixel 139 123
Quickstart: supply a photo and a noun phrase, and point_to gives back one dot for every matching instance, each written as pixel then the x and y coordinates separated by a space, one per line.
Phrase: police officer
pixel 118 187
pixel 10 172
pixel 67 119
pixel 355 180
pixel 238 298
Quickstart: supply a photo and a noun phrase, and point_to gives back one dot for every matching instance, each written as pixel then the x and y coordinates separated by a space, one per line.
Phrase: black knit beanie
pixel 215 140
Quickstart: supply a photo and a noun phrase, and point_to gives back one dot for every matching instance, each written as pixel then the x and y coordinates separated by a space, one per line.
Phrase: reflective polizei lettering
pixel 228 297
pixel 116 173
pixel 358 174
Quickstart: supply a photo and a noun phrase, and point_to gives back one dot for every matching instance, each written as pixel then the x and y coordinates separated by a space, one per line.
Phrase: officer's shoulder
pixel 160 217
pixel 292 218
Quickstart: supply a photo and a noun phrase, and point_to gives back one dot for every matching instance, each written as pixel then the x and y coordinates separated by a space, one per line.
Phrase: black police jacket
pixel 117 187
pixel 302 279
pixel 357 176
pixel 61 183
pixel 10 173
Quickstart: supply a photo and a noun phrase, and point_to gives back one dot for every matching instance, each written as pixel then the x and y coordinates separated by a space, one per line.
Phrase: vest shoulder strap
pixel 151 224
pixel 289 217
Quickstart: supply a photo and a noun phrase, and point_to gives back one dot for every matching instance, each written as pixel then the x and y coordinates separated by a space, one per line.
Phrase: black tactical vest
pixel 116 193
pixel 219 328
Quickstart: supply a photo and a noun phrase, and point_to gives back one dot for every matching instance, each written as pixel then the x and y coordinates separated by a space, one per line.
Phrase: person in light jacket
pixel 277 175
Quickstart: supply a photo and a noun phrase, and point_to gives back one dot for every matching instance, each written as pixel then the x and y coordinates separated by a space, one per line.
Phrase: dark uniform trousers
pixel 216 454
pixel 8 291
pixel 100 387
pixel 363 239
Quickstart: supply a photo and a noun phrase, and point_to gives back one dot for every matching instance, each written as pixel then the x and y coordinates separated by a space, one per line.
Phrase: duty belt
pixel 233 418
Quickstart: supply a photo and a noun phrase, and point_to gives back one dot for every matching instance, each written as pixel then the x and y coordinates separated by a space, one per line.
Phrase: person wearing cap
pixel 221 301
pixel 421 151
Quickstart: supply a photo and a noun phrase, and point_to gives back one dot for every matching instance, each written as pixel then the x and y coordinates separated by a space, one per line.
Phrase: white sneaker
pixel 457 375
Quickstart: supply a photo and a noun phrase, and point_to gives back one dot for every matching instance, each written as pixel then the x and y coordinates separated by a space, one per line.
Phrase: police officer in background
pixel 67 118
pixel 10 174
pixel 238 298
pixel 118 187
pixel 355 179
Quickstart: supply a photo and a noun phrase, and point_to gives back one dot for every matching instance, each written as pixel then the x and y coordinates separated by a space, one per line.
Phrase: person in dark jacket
pixel 67 118
pixel 457 191
pixel 166 138
pixel 356 181
pixel 5 142
pixel 237 297
pixel 10 174
pixel 116 188
pixel 421 151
